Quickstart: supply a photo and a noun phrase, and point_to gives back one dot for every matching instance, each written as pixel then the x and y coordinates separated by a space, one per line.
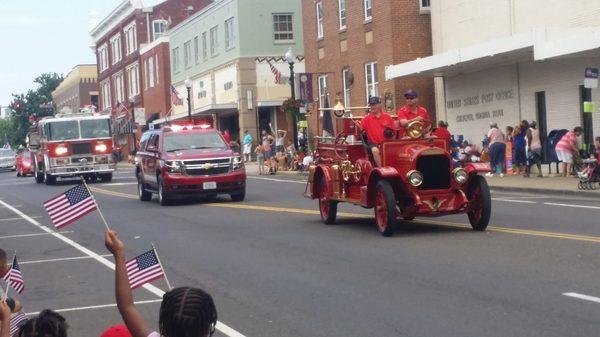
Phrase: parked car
pixel 7 159
pixel 23 163
pixel 178 161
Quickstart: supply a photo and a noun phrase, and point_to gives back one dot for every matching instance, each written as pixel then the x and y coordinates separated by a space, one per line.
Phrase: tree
pixel 27 106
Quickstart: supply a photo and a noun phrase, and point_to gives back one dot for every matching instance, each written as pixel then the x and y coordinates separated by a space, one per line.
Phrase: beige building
pixel 78 89
pixel 505 61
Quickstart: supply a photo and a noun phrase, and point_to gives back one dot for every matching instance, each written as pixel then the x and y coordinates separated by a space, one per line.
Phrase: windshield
pixel 195 140
pixel 95 128
pixel 6 153
pixel 63 130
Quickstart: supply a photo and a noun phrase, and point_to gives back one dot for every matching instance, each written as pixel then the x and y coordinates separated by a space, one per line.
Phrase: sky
pixel 39 36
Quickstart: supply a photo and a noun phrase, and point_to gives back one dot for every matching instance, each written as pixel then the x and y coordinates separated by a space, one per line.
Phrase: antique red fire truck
pixel 416 177
pixel 73 144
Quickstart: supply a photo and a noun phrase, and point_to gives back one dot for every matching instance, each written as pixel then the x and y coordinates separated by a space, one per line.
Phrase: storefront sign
pixel 488 97
pixel 589 107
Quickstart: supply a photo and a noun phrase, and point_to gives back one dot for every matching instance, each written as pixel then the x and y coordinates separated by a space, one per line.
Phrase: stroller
pixel 589 178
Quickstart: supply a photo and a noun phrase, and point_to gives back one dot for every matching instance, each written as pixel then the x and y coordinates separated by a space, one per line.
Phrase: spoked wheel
pixel 480 203
pixel 385 208
pixel 327 207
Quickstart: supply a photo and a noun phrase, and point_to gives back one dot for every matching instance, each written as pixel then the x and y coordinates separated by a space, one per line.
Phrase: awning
pixel 206 110
pixel 535 45
pixel 269 103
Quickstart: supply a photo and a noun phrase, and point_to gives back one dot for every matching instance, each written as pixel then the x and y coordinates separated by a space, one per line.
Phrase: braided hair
pixel 47 324
pixel 187 312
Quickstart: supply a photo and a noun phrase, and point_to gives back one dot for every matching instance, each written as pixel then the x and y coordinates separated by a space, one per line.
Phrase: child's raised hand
pixel 112 243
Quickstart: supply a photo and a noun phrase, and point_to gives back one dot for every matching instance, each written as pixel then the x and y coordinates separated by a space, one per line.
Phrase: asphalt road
pixel 275 270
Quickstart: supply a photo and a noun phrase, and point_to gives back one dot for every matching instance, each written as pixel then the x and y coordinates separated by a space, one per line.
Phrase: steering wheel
pixel 416 129
pixel 340 139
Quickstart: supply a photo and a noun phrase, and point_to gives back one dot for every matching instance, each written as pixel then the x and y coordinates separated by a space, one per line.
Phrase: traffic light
pixel 17 106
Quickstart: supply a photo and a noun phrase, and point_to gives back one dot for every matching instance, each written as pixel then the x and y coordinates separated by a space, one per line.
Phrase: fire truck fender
pixel 474 168
pixel 322 172
pixel 381 173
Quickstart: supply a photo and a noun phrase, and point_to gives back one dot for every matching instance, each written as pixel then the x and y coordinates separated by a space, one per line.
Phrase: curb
pixel 582 193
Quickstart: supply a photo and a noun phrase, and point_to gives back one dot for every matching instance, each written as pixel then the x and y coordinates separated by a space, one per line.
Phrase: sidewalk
pixel 549 184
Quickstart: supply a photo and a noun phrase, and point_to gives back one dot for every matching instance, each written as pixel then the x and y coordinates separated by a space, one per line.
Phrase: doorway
pixel 266 116
pixel 540 107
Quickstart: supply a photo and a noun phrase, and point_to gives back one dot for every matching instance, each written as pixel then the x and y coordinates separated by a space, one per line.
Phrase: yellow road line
pixel 555 235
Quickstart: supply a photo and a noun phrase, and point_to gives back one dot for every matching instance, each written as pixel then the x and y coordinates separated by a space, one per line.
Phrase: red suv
pixel 188 160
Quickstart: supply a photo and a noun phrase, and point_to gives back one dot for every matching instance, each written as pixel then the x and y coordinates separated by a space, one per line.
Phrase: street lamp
pixel 133 127
pixel 188 85
pixel 290 57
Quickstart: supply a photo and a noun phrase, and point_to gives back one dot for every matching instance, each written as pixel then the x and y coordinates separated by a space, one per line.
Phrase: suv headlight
pixel 173 166
pixel 237 163
pixel 460 175
pixel 414 178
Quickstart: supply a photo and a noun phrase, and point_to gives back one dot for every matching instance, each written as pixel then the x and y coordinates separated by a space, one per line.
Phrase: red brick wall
pixel 400 34
pixel 157 98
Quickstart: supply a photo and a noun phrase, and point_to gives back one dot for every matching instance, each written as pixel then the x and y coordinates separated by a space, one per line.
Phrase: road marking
pixel 517 201
pixel 15 206
pixel 62 259
pixel 12 219
pixel 101 306
pixel 570 205
pixel 583 297
pixel 119 184
pixel 29 235
pixel 149 287
pixel 281 180
pixel 555 235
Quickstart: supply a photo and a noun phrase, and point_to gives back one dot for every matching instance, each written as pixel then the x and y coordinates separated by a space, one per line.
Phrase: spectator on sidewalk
pixel 280 141
pixel 14 305
pixel 260 157
pixel 519 150
pixel 497 150
pixel 184 311
pixel 566 147
pixel 534 149
pixel 247 143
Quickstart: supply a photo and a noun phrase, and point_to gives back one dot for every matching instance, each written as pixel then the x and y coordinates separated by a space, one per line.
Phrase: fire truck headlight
pixel 237 163
pixel 460 175
pixel 101 147
pixel 414 178
pixel 60 150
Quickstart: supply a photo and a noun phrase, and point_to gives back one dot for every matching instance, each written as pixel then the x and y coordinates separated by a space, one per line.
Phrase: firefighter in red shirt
pixel 374 125
pixel 412 111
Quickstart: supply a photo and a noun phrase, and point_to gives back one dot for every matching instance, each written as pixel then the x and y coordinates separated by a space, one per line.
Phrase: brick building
pixel 78 89
pixel 349 43
pixel 117 41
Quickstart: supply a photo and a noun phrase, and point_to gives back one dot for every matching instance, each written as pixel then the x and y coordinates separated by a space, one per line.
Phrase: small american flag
pixel 16 321
pixel 143 269
pixel 14 277
pixel 275 72
pixel 68 207
pixel 175 99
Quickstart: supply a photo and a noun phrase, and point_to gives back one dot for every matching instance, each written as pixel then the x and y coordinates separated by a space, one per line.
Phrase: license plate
pixel 211 185
pixel 104 167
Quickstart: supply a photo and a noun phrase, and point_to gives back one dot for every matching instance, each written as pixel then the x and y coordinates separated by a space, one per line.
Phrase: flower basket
pixel 291 106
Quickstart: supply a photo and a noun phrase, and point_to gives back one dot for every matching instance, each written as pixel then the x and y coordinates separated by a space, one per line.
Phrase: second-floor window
pixel 368 10
pixel 131 38
pixel 214 41
pixel 424 6
pixel 282 27
pixel 187 54
pixel 175 60
pixel 204 48
pixel 118 85
pixel 319 19
pixel 371 80
pixel 229 36
pixel 103 57
pixel 105 94
pixel 342 13
pixel 115 46
pixel 133 76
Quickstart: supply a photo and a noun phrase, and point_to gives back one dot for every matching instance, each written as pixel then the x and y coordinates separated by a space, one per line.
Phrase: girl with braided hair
pixel 184 311
pixel 47 324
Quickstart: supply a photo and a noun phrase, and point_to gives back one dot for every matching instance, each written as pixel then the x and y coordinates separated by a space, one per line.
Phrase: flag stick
pixel 97 207
pixel 5 296
pixel 161 266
